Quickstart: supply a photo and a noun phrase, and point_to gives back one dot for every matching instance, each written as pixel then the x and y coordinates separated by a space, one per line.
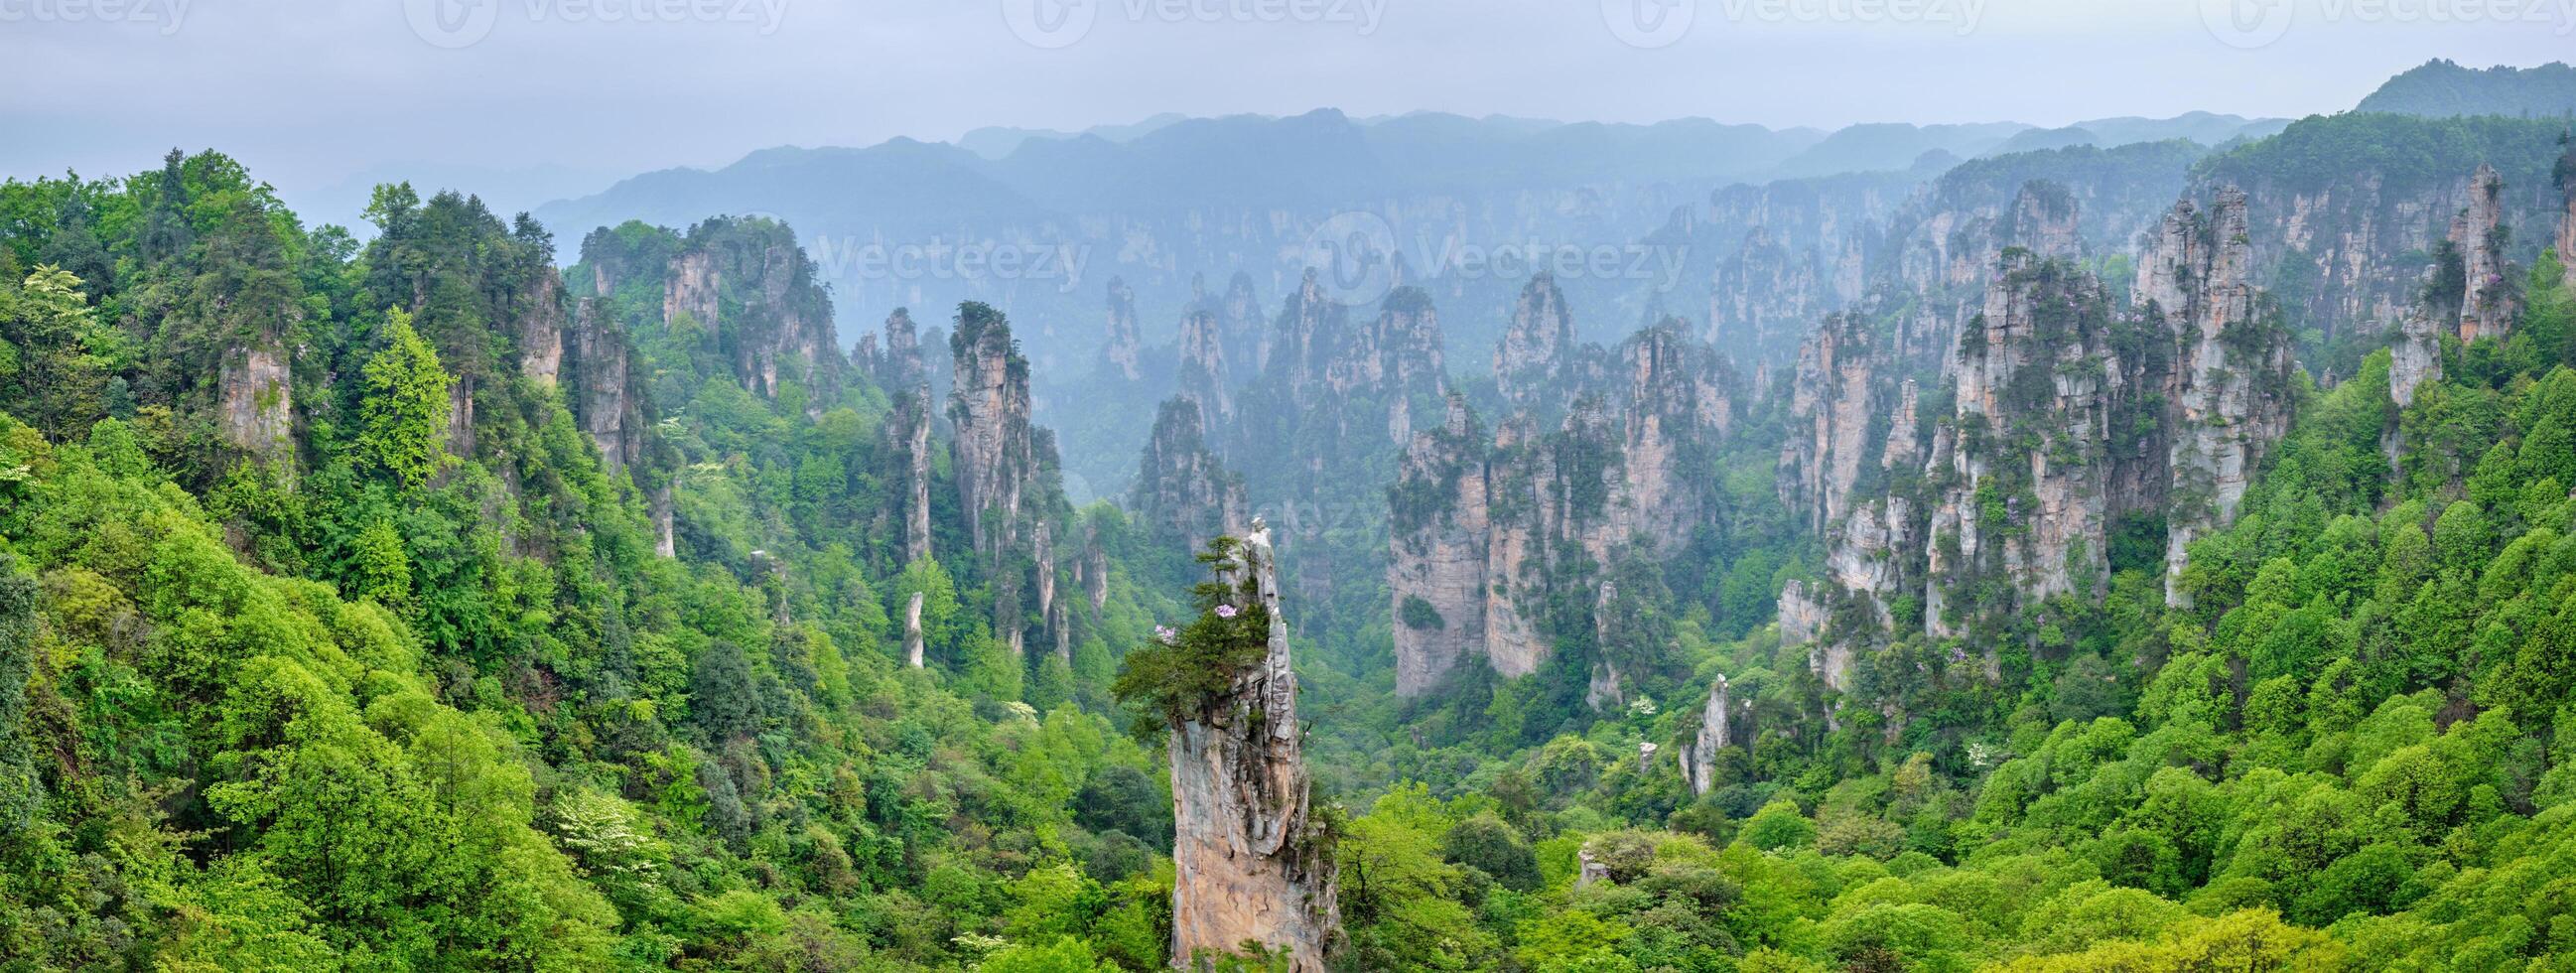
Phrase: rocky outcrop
pixel 1719 727
pixel 1182 490
pixel 1485 531
pixel 749 285
pixel 996 462
pixel 898 365
pixel 2489 301
pixel 1122 348
pixel 1249 861
pixel 256 399
pixel 541 331
pixel 1442 552
pixel 908 433
pixel 1202 377
pixel 2564 175
pixel 1531 361
pixel 912 641
pixel 1829 419
pixel 2228 396
pixel 604 393
pixel 2029 483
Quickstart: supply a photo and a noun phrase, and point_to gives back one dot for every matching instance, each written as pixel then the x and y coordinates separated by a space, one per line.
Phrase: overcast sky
pixel 311 93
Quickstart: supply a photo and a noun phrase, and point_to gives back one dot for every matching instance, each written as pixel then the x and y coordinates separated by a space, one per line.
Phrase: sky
pixel 566 95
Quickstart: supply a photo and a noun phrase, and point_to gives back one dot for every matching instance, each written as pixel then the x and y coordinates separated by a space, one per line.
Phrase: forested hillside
pixel 2149 559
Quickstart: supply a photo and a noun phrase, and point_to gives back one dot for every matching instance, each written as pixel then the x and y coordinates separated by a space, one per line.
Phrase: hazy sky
pixel 310 93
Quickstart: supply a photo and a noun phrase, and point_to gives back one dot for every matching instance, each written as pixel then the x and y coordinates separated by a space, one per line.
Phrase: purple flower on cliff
pixel 1225 611
pixel 1164 634
pixel 2495 278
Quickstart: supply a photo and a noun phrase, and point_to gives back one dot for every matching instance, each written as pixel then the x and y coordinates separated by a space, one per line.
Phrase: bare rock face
pixel 1248 861
pixel 541 332
pixel 912 641
pixel 1538 346
pixel 1829 416
pixel 604 393
pixel 996 449
pixel 1717 729
pixel 899 366
pixel 1679 404
pixel 750 284
pixel 1203 372
pixel 257 401
pixel 2227 398
pixel 2565 176
pixel 1442 548
pixel 1182 490
pixel 2037 378
pixel 1766 293
pixel 1481 528
pixel 908 430
pixel 2490 303
pixel 665 541
pixel 1123 347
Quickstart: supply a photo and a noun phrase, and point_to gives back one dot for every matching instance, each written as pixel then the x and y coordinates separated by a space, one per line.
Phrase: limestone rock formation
pixel 1531 361
pixel 1182 490
pixel 2228 396
pixel 1248 859
pixel 1202 377
pixel 912 642
pixel 1442 552
pixel 1122 348
pixel 996 448
pixel 257 401
pixel 908 432
pixel 1719 727
pixel 750 284
pixel 604 393
pixel 541 331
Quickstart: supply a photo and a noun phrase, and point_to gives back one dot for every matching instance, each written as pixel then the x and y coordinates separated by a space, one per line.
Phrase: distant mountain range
pixel 2440 88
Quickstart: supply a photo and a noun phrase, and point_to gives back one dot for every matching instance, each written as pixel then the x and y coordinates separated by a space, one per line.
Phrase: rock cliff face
pixel 1182 491
pixel 2564 174
pixel 256 397
pixel 2470 292
pixel 2488 304
pixel 1485 531
pixel 541 331
pixel 1538 348
pixel 748 285
pixel 2228 394
pixel 2066 418
pixel 1248 860
pixel 1122 348
pixel 604 392
pixel 908 433
pixel 2029 481
pixel 1202 377
pixel 996 447
pixel 1720 726
pixel 1442 552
